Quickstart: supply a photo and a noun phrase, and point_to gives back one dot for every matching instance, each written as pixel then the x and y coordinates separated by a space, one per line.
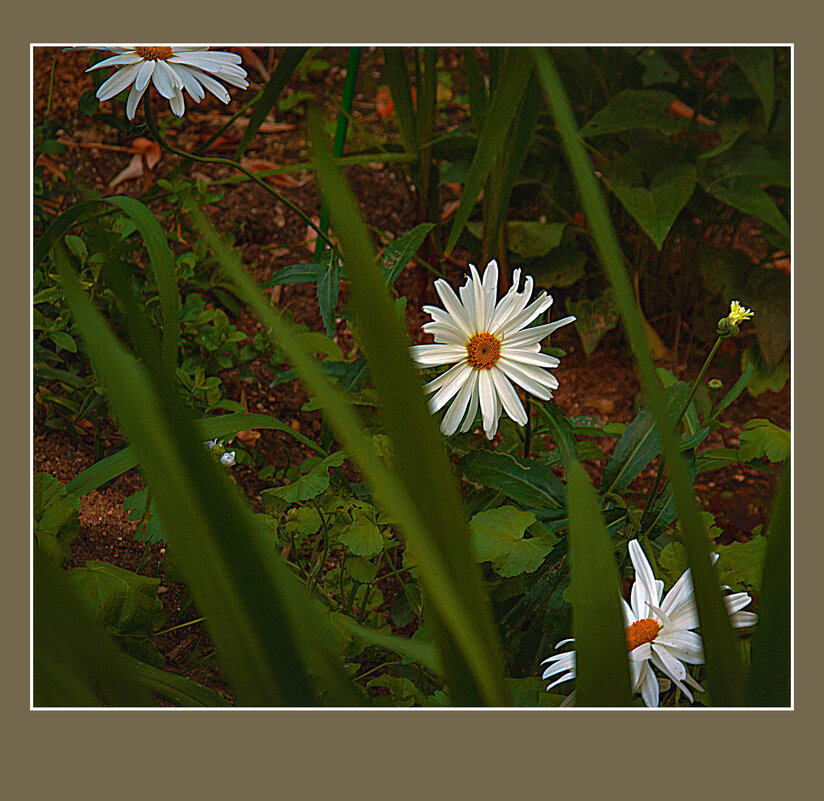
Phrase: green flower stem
pixel 653 495
pixel 528 430
pixel 315 576
pixel 180 626
pixel 147 105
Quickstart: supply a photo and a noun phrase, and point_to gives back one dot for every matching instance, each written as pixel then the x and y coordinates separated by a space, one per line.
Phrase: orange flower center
pixel 154 53
pixel 483 350
pixel 642 631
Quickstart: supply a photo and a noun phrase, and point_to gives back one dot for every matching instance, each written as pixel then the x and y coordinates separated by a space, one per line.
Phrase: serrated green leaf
pixel 125 603
pixel 741 564
pixel 498 537
pixel 397 254
pixel 55 516
pixel 362 536
pixel 760 437
pixel 526 482
pixel 311 484
pixel 360 569
pixel 531 239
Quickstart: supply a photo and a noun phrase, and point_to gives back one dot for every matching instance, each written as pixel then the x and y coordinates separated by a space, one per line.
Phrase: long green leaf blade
pixel 769 683
pixel 286 65
pixel 400 87
pixel 499 118
pixel 472 660
pixel 725 666
pixel 257 615
pixel 601 663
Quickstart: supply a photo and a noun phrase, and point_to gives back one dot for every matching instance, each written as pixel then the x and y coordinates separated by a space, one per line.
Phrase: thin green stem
pixel 528 430
pixel 180 626
pixel 315 574
pixel 228 162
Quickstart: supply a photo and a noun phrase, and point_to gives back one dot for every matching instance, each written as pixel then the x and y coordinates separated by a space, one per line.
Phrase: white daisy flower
pixel 228 459
pixel 172 69
pixel 658 632
pixel 489 346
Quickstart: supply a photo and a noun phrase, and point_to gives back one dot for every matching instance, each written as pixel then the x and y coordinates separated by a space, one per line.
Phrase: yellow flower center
pixel 642 631
pixel 483 350
pixel 154 53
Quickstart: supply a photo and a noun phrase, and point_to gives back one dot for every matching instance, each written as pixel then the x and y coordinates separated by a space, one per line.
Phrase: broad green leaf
pixel 397 254
pixel 770 291
pixel 725 666
pixel 740 564
pixel 54 516
pixel 763 379
pixel 634 451
pixel 499 118
pixel 760 437
pixel 498 537
pixel 635 108
pixel 361 569
pixel 73 662
pixel 593 318
pixel 601 663
pixel 362 536
pixel 208 428
pixel 532 239
pixel 654 205
pixel 311 484
pixel 64 341
pixel 758 64
pixel 125 603
pixel 531 692
pixel 286 66
pixel 302 520
pixel 770 675
pixel 526 482
pixel 746 194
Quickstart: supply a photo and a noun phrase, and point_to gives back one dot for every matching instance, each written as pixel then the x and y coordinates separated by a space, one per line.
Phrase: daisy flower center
pixel 154 53
pixel 483 350
pixel 642 631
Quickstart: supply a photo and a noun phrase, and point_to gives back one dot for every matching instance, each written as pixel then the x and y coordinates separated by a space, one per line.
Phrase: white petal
pixel 177 103
pixel 487 398
pixel 450 388
pixel 641 653
pixel 649 690
pixel 737 601
pixel 442 379
pixel 565 677
pixel 479 296
pixel 529 336
pixel 144 74
pixel 116 61
pixel 684 645
pixel 215 87
pixel 668 663
pixel 532 379
pixel 191 83
pixel 680 593
pixel 118 82
pixel 528 356
pixel 453 306
pixel 434 355
pixel 445 333
pixel 741 619
pixel 164 79
pixel 134 99
pixel 538 306
pixel 644 574
pixel 473 404
pixel 454 415
pixel 509 398
pixel 490 286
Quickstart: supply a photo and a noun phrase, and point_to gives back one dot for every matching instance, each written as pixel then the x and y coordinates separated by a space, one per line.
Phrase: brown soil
pixel 270 237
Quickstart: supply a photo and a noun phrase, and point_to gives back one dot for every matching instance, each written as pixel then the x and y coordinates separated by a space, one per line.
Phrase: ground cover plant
pixel 343 341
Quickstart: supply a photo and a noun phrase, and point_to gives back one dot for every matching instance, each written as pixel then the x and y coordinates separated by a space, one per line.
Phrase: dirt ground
pixel 270 237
